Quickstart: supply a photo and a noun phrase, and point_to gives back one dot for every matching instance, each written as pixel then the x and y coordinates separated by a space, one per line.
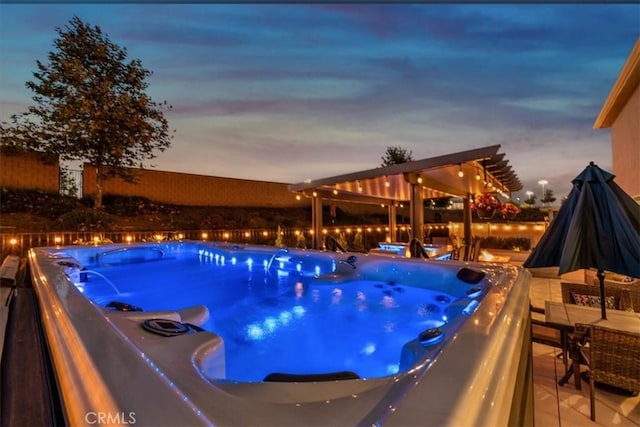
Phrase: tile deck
pixel 557 405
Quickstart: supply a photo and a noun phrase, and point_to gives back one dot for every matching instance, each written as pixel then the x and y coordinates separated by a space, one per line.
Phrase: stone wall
pixel 28 170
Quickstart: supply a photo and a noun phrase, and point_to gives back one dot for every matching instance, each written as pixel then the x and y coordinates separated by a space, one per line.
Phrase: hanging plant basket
pixel 485 205
pixel 485 213
pixel 509 210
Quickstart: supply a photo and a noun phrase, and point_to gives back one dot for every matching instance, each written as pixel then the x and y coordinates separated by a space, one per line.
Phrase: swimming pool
pixel 245 335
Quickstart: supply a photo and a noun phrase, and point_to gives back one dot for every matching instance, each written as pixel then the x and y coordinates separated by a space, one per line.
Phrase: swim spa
pixel 196 333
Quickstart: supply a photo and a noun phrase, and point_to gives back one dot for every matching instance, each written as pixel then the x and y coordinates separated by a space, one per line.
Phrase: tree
pixel 396 155
pixel 548 197
pixel 68 186
pixel 91 105
pixel 531 200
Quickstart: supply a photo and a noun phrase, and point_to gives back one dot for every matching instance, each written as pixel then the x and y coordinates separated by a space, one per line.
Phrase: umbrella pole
pixel 603 304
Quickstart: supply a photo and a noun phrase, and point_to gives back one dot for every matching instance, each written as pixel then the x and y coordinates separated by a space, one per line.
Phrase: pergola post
pixel 393 235
pixel 316 222
pixel 466 203
pixel 417 211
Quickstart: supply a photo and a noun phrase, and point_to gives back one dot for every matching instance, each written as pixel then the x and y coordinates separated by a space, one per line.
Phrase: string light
pixel 460 172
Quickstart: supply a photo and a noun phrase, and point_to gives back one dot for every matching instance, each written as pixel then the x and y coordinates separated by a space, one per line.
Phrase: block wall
pixel 28 170
pixel 195 190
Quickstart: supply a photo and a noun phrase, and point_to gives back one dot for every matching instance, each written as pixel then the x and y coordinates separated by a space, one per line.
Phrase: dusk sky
pixel 289 92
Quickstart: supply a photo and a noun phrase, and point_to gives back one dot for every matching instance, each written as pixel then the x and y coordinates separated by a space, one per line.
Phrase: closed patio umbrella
pixel 598 226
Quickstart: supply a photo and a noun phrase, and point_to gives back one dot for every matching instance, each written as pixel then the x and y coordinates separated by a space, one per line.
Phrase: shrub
pixel 510 243
pixel 40 203
pixel 85 220
pixel 131 206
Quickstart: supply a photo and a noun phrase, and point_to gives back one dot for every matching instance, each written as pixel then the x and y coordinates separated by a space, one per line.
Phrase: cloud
pixel 293 91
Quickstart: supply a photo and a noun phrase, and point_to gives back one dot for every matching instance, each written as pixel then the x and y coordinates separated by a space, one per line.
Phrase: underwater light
pixel 285 317
pixel 368 349
pixel 474 292
pixel 470 308
pixel 255 332
pixel 270 324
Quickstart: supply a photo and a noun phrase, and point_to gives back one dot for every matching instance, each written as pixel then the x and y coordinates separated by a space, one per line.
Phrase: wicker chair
pixel 622 297
pixel 613 358
pixel 543 333
pixel 614 280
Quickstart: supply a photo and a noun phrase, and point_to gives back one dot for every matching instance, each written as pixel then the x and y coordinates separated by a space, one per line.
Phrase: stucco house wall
pixel 625 146
pixel 621 113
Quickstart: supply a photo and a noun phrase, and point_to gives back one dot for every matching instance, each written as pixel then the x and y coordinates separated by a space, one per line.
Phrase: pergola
pixel 461 174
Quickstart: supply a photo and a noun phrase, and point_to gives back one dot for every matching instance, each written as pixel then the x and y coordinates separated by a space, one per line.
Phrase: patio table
pixel 565 316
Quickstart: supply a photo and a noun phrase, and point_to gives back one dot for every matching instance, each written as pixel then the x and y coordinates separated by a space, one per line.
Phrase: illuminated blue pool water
pixel 280 318
pixel 376 340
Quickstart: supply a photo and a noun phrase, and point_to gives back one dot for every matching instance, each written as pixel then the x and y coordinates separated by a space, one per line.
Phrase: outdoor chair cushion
pixel 593 301
pixel 614 280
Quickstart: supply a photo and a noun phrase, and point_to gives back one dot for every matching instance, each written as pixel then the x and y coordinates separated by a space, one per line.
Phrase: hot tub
pixel 195 333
